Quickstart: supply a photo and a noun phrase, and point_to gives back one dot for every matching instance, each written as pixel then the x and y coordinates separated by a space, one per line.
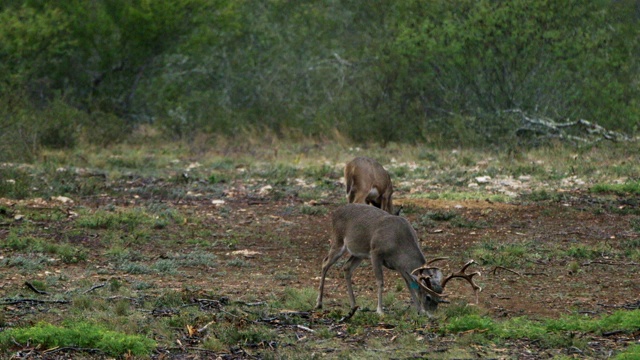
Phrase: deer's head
pixel 430 284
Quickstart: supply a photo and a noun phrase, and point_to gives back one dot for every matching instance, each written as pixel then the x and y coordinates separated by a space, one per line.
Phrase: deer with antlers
pixel 366 232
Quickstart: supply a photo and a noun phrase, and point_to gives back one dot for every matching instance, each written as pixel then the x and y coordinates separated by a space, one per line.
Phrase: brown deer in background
pixel 369 183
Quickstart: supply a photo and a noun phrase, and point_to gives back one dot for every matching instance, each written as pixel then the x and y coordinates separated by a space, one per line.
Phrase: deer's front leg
pixel 376 263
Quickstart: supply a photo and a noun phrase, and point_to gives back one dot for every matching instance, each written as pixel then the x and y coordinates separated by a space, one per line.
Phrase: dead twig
pixel 206 326
pixel 606 262
pixel 18 301
pixel 536 274
pixel 95 287
pixel 305 328
pixel 34 289
pixel 495 268
pixel 69 348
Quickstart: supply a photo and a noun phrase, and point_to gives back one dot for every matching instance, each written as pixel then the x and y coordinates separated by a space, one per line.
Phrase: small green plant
pixel 504 254
pixel 165 266
pixel 251 335
pixel 237 262
pixel 470 322
pixel 15 183
pixel 101 219
pixel 218 177
pixel 583 252
pixel 313 210
pixel 197 258
pixel 299 299
pixel 440 215
pixel 134 268
pixel 25 263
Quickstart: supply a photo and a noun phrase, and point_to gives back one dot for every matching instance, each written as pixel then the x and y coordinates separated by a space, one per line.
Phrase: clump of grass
pixel 541 195
pixel 196 258
pixel 80 335
pixel 15 183
pixel 169 299
pixel 440 215
pixel 470 322
pixel 165 266
pixel 299 299
pixel 583 252
pixel 504 254
pixel 313 210
pixel 237 262
pixel 631 353
pixel 102 219
pixel 218 177
pixel 631 187
pixel 25 263
pixel 251 335
pixel 134 268
pixel 550 332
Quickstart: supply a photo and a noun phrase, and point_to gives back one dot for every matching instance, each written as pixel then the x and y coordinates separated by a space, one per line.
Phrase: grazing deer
pixel 369 183
pixel 366 232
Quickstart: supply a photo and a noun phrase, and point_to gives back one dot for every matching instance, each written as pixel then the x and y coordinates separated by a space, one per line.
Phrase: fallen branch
pixel 95 287
pixel 606 262
pixel 18 301
pixel 33 288
pixel 535 274
pixel 553 129
pixel 305 328
pixel 504 268
pixel 69 348
pixel 206 326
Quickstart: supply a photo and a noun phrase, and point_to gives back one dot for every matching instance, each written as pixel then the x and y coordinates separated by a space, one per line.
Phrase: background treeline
pixel 436 72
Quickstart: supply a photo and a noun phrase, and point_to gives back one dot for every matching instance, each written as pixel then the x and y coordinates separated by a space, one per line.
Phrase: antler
pixel 426 266
pixel 468 277
pixel 423 277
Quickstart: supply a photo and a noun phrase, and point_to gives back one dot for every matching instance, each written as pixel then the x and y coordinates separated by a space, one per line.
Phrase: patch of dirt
pixel 280 247
pixel 553 285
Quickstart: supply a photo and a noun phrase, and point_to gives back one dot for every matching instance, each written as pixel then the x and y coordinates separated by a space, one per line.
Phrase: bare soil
pixel 281 247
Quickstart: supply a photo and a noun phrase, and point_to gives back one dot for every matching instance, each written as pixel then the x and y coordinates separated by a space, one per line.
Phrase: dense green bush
pixel 435 72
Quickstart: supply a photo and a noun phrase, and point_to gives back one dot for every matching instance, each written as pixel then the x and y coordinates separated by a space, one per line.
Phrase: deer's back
pixel 364 172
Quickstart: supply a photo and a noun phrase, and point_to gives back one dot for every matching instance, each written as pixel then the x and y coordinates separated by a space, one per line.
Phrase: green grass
pixel 631 187
pixel 313 210
pixel 463 196
pixel 631 353
pixel 20 240
pixel 550 332
pixel 102 219
pixel 516 254
pixel 142 222
pixel 82 335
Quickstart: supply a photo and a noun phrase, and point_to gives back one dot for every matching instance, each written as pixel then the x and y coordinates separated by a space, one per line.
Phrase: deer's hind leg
pixel 351 264
pixel 334 254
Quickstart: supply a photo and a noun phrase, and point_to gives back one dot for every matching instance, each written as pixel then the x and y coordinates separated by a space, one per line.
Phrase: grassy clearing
pixel 144 235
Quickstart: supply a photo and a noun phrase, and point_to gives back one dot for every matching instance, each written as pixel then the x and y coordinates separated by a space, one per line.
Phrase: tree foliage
pixel 398 71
